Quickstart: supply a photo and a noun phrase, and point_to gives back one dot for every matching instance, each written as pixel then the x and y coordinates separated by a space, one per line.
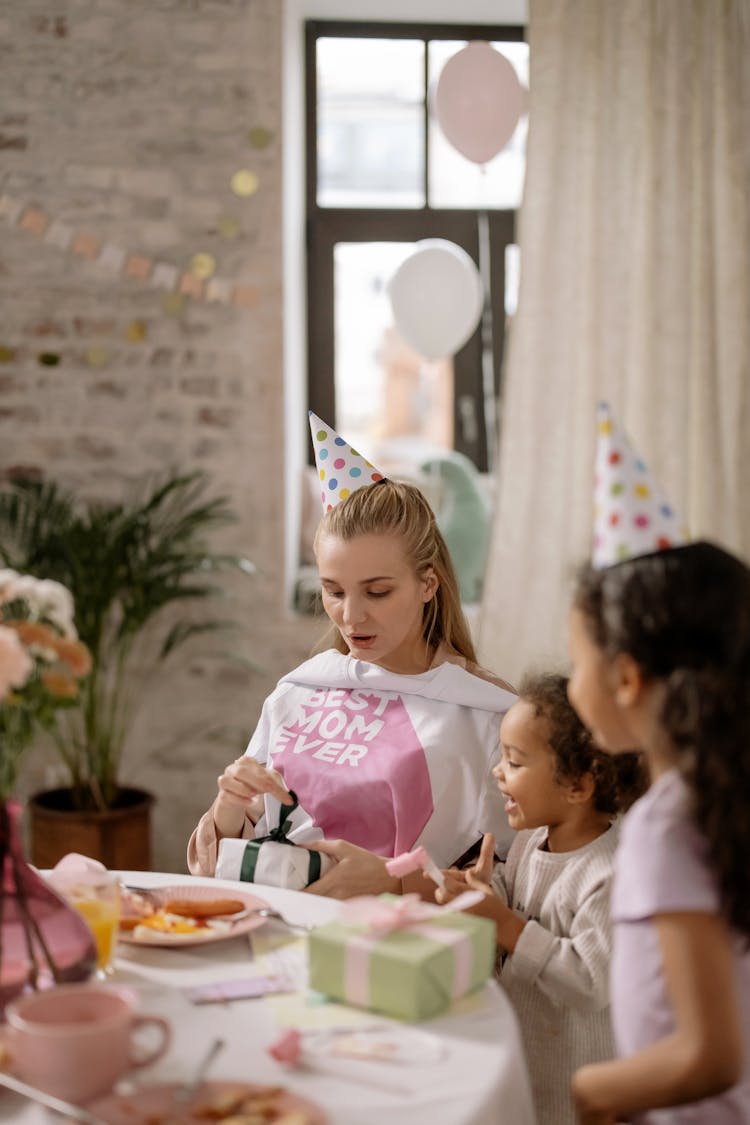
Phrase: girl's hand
pixel 508 925
pixel 483 868
pixel 356 872
pixel 476 877
pixel 240 785
pixel 457 882
pixel 455 885
pixel 584 1088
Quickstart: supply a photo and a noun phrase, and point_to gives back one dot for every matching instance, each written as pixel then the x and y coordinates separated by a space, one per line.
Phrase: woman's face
pixel 592 689
pixel 376 601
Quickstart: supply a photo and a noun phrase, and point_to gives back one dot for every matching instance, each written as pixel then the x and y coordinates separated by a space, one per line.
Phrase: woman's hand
pixel 356 872
pixel 240 785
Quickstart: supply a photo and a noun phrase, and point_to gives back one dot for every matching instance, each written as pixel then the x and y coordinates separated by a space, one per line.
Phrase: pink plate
pixel 184 891
pixel 154 1104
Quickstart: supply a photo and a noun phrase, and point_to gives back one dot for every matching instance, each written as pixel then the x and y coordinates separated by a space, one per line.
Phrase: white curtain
pixel 635 288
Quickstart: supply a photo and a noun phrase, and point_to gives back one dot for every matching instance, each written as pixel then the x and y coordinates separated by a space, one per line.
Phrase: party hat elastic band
pixel 340 468
pixel 631 514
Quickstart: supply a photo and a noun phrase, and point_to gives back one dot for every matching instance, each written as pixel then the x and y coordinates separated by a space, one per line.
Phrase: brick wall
pixel 122 125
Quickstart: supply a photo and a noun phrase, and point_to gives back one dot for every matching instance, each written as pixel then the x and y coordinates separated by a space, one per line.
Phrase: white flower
pixel 8 579
pixel 46 599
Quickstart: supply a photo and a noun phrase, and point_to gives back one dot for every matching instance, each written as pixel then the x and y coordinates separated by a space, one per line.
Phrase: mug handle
pixel 160 1048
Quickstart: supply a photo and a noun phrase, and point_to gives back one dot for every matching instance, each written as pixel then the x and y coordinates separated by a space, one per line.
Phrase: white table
pixel 481 1078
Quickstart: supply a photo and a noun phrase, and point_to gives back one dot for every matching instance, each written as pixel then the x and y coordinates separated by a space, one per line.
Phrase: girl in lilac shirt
pixel 660 646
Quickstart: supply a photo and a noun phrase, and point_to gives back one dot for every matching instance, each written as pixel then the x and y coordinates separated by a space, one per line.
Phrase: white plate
pixel 389 1043
pixel 185 892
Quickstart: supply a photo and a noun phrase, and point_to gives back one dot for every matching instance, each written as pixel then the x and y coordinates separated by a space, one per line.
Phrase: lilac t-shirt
pixel 661 867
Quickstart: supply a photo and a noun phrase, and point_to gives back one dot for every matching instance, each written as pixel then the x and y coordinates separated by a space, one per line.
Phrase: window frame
pixel 327 226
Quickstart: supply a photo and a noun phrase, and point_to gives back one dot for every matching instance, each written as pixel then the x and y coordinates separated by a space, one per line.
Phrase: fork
pixel 147 892
pixel 185 1093
pixel 277 916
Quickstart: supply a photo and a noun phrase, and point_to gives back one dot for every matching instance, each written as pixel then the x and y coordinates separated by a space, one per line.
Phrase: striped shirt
pixel 557 976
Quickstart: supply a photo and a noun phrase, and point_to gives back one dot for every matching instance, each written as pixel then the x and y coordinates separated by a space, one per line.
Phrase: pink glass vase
pixel 43 940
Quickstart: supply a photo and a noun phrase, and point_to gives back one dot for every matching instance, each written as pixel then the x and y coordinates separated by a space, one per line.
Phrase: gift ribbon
pixel 383 918
pixel 277 835
pixel 360 947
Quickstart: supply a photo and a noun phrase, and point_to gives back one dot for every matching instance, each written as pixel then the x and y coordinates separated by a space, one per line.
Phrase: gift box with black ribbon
pixel 273 859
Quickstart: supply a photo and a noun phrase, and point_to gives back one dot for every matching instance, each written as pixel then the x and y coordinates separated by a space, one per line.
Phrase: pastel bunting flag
pixel 632 516
pixel 341 470
pixel 199 283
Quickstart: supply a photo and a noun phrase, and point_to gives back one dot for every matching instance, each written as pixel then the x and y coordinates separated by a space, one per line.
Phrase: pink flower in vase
pixel 16 664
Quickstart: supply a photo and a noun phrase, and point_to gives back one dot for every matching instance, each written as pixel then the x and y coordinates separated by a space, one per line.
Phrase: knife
pixel 77 1112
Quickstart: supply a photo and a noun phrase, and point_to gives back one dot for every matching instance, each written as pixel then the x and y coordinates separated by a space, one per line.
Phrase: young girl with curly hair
pixel 550 899
pixel 660 646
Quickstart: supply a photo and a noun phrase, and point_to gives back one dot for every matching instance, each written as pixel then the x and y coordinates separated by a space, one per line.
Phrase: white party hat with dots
pixel 341 469
pixel 632 516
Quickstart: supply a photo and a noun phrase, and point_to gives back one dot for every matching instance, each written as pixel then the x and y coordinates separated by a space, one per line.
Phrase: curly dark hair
pixel 683 615
pixel 618 780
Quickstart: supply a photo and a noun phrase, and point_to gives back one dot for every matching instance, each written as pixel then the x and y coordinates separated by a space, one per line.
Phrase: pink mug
pixel 75 1041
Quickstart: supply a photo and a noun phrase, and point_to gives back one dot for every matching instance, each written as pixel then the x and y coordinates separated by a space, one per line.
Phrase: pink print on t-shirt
pixel 358 768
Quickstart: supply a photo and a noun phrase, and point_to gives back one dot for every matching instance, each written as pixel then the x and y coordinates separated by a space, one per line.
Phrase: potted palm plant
pixel 126 564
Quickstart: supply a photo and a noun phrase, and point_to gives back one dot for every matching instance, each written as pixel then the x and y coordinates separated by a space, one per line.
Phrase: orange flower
pixel 75 655
pixel 34 633
pixel 59 684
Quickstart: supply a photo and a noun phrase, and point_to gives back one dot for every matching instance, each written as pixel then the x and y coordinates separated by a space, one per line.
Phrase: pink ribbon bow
pixel 379 916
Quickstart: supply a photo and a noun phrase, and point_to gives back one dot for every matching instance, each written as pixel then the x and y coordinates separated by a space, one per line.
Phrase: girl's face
pixel 525 774
pixel 592 689
pixel 374 598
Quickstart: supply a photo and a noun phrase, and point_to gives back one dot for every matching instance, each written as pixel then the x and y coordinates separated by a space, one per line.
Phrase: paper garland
pixel 198 283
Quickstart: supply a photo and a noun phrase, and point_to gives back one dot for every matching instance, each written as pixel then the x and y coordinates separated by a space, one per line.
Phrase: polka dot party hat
pixel 631 514
pixel 340 468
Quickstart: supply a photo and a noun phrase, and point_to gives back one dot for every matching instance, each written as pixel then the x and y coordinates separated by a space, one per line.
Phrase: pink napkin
pixel 75 870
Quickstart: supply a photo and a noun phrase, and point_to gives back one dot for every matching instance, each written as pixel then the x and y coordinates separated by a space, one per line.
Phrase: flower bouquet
pixel 42 940
pixel 41 663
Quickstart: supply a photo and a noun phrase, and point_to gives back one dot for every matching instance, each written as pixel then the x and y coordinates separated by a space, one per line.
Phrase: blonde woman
pixel 389 734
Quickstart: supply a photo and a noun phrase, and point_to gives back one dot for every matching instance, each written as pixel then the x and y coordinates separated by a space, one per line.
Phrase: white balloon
pixel 437 298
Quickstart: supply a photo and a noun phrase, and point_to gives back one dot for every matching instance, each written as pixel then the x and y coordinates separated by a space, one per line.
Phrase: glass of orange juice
pixel 98 902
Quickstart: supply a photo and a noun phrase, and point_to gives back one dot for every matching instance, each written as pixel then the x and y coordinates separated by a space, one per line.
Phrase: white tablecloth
pixel 481 1078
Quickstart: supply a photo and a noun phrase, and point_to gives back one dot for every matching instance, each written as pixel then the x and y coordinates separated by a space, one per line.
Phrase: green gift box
pixel 409 960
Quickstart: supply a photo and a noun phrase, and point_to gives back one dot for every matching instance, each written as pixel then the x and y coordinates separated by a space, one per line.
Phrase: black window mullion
pixel 348 29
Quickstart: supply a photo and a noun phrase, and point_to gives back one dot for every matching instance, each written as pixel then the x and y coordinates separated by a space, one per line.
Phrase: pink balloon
pixel 478 100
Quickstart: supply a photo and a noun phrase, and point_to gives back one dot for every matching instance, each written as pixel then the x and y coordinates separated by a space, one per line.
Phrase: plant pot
pixel 119 837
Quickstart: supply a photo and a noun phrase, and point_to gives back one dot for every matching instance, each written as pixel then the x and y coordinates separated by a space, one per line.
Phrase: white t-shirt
pixel 386 761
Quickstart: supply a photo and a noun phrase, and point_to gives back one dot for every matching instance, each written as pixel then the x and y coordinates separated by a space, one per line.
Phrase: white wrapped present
pixel 273 859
